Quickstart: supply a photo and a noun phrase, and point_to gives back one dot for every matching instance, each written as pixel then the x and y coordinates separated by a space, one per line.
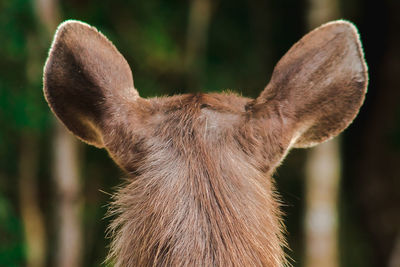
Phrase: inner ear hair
pixel 84 78
pixel 319 84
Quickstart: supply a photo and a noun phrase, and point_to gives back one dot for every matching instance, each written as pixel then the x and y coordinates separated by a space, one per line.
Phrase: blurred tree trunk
pixel 198 25
pixel 69 199
pixel 321 218
pixel 28 187
pixel 65 168
pixel 322 176
pixel 32 216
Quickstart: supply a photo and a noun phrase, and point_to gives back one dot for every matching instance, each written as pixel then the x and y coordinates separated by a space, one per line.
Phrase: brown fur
pixel 200 191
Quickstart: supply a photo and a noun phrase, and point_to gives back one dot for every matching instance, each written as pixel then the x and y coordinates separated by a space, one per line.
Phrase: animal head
pixel 200 191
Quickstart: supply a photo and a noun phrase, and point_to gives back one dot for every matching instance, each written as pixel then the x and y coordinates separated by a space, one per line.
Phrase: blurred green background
pixel 179 46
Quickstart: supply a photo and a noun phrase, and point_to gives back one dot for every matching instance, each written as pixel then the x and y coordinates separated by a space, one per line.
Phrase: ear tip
pixel 67 28
pixel 351 33
pixel 350 30
pixel 341 23
pixel 72 23
pixel 72 26
pixel 344 27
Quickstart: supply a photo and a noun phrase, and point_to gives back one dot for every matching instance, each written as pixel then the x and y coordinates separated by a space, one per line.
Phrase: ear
pixel 84 78
pixel 319 84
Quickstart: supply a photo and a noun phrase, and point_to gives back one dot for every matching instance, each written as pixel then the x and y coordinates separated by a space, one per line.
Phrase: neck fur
pixel 207 206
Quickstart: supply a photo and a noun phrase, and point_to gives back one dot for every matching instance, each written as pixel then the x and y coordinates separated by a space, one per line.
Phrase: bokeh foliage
pixel 244 41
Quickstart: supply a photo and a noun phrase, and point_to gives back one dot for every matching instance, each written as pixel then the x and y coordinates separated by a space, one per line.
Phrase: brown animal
pixel 200 191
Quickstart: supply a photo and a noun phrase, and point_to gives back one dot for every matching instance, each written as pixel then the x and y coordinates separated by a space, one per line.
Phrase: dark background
pixel 243 41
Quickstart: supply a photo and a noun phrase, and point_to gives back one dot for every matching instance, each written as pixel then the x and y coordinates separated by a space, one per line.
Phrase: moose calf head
pixel 200 191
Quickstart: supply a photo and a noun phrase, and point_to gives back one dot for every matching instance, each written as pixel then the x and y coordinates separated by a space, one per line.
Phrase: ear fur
pixel 319 84
pixel 84 77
